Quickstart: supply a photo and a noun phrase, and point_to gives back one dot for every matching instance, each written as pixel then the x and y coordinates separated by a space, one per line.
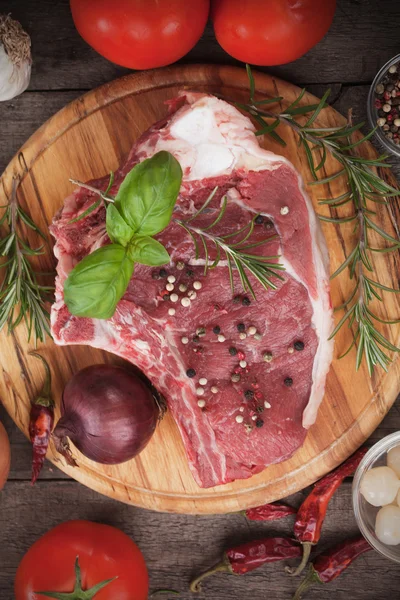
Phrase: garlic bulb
pixel 380 486
pixel 15 58
pixel 393 460
pixel 387 526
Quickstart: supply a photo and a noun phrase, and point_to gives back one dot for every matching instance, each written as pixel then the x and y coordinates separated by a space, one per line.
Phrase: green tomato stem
pixel 78 593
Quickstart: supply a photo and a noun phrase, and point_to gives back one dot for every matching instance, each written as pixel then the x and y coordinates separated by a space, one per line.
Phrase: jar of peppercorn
pixel 384 106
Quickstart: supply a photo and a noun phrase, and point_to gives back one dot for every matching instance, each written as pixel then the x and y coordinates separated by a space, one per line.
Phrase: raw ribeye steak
pixel 243 378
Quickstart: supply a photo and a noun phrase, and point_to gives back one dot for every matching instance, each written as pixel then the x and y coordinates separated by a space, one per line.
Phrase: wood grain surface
pixel 90 137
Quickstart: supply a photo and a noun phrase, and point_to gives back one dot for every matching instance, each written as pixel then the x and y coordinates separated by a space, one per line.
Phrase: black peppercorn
pixel 155 275
pixel 268 224
pixel 196 338
pixel 163 273
pixel 260 409
pixel 259 220
pixel 390 87
pixel 249 394
pixel 241 327
pixel 233 351
pixel 189 273
pixel 381 113
pixel 299 346
pixel 166 297
pixel 259 423
pixel 288 381
pixel 236 300
pixel 246 301
pixel 216 330
pixel 191 373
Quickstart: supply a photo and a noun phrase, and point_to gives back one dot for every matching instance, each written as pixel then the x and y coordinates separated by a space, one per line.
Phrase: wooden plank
pixel 362 38
pixel 177 547
pixel 354 404
pixel 21 117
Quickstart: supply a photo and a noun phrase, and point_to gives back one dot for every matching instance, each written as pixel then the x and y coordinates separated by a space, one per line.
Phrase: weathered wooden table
pixel 364 36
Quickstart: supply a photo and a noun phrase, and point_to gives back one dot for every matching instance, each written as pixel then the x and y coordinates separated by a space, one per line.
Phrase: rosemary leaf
pixel 360 141
pixel 381 232
pixel 346 262
pixel 252 84
pixel 204 206
pixel 342 321
pixel 323 161
pixel 320 106
pixel 310 157
pixel 205 247
pixel 301 110
pixel 385 321
pixel 219 216
pixel 268 101
pixel 337 220
pixel 328 179
pixel 268 128
pixel 87 212
pixel 380 285
pixel 296 101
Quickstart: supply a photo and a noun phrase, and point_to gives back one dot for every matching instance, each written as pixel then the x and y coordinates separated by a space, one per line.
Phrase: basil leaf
pixel 95 286
pixel 148 194
pixel 117 228
pixel 147 251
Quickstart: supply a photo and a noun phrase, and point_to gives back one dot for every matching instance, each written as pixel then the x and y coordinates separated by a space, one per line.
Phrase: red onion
pixel 108 413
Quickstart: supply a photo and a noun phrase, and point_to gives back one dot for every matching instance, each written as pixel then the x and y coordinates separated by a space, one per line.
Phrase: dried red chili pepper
pixel 41 421
pixel 330 565
pixel 247 557
pixel 311 513
pixel 269 512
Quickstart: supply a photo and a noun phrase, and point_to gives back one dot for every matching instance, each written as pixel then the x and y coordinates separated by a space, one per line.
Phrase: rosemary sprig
pixel 103 197
pixel 22 298
pixel 237 253
pixel 364 186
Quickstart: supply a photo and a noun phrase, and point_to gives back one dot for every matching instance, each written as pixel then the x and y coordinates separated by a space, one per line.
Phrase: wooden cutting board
pixel 87 139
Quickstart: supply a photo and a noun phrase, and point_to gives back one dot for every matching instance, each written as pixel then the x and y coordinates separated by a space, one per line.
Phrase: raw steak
pixel 259 391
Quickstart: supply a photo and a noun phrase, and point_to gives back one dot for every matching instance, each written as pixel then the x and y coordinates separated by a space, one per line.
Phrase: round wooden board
pixel 90 137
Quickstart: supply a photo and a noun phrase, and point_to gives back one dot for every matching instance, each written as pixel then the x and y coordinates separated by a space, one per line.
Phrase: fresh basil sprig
pixel 142 208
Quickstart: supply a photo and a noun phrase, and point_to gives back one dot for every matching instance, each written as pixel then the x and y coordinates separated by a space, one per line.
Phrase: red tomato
pixel 104 553
pixel 141 34
pixel 271 32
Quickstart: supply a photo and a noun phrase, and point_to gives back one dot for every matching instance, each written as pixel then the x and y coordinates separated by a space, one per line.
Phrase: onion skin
pixel 5 456
pixel 108 413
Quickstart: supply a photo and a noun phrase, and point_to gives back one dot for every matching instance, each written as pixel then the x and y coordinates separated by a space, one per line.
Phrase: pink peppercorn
pixel 389 117
pixel 241 355
pixel 387 95
pixel 378 103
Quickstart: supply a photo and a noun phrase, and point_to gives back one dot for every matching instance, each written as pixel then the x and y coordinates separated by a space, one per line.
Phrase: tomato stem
pixel 78 593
